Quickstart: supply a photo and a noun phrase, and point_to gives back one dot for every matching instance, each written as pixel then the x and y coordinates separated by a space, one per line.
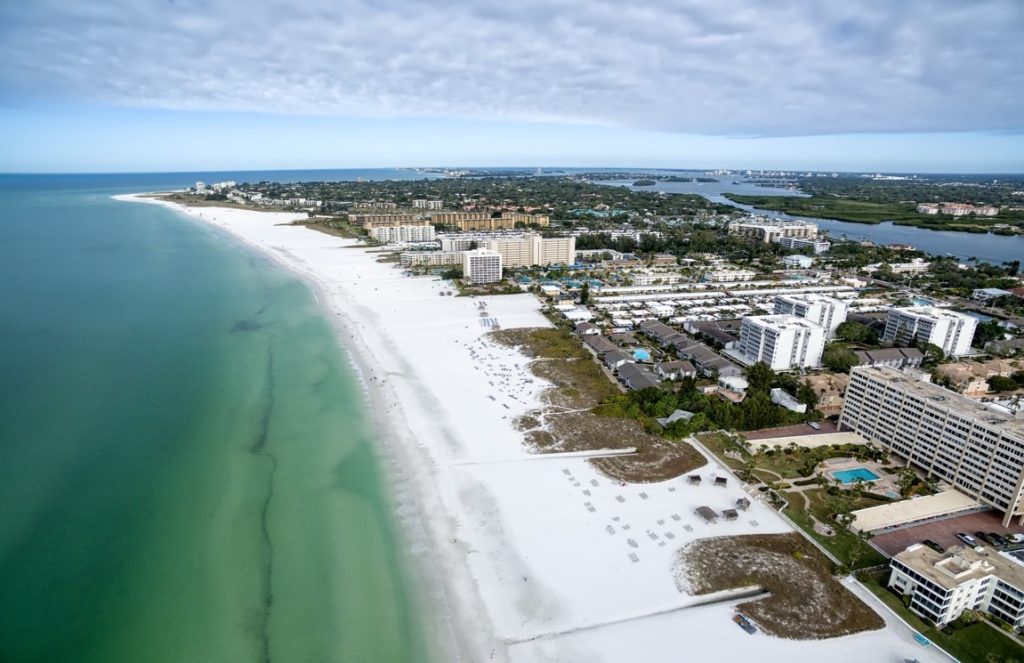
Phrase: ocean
pixel 187 472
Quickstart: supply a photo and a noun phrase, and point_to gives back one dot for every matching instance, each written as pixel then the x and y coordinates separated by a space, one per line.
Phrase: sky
pixel 850 85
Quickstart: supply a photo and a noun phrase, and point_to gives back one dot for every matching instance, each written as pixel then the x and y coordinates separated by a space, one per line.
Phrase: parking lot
pixel 944 532
pixel 790 431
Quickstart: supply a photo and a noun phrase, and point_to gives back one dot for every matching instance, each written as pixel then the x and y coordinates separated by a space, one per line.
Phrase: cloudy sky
pixel 190 84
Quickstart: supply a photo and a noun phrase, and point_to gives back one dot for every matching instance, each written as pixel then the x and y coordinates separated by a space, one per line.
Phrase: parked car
pixel 984 538
pixel 998 540
pixel 1017 538
pixel 934 546
pixel 967 538
pixel 814 424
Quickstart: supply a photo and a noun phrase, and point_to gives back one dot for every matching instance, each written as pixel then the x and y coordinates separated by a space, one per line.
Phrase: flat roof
pixel 960 564
pixel 941 397
pixel 911 510
pixel 812 441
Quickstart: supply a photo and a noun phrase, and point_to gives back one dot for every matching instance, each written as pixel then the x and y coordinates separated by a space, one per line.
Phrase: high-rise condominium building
pixel 397 234
pixel 828 312
pixel 481 266
pixel 784 342
pixel 978 450
pixel 950 330
pixel 772 232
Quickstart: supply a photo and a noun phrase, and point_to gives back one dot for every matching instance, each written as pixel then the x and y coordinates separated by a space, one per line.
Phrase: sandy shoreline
pixel 527 561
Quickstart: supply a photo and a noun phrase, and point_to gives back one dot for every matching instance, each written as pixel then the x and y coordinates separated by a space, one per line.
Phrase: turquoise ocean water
pixel 186 473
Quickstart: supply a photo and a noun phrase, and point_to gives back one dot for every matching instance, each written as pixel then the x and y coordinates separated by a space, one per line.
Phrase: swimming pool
pixel 856 474
pixel 641 355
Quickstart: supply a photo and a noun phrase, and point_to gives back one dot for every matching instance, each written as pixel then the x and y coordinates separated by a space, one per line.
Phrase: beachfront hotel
pixel 784 342
pixel 400 234
pixel 978 450
pixel 828 312
pixel 481 266
pixel 517 250
pixel 772 232
pixel 950 330
pixel 941 586
pixel 431 258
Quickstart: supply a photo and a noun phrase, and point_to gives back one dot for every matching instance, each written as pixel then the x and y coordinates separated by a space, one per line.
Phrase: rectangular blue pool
pixel 857 473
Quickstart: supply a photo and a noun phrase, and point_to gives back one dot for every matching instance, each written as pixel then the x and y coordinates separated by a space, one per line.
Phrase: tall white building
pixel 783 342
pixel 942 586
pixel 399 234
pixel 769 232
pixel 431 258
pixel 817 245
pixel 828 312
pixel 978 450
pixel 530 250
pixel 950 330
pixel 481 266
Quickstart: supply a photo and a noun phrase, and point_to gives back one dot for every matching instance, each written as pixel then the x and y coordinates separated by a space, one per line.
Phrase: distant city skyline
pixel 918 86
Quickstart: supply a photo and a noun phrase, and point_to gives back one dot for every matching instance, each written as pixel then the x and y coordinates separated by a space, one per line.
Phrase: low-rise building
pixel 675 370
pixel 892 357
pixel 782 397
pixel 489 221
pixel 728 275
pixel 421 203
pixel 942 586
pixel 798 261
pixel 987 294
pixel 368 221
pixel 637 377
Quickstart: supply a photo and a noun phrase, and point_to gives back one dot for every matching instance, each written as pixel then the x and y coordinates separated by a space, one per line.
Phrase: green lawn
pixel 977 643
pixel 839 545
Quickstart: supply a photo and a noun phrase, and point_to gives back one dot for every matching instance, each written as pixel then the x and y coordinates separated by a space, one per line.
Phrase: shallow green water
pixel 185 470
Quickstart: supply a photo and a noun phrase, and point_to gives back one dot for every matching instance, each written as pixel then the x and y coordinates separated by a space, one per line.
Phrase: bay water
pixel 186 470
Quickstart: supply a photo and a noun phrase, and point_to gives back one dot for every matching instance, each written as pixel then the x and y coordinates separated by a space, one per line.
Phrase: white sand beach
pixel 525 557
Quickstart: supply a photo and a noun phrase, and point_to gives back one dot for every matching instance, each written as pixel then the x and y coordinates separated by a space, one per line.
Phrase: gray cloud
pixel 730 67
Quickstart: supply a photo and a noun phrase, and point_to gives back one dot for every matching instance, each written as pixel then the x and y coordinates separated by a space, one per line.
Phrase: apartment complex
pixel 773 232
pixel 828 312
pixel 400 234
pixel 530 250
pixel 784 342
pixel 431 258
pixel 798 243
pixel 484 221
pixel 481 266
pixel 957 209
pixel 655 278
pixel 517 250
pixel 978 450
pixel 728 275
pixel 421 203
pixel 941 586
pixel 950 330
pixel 368 221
